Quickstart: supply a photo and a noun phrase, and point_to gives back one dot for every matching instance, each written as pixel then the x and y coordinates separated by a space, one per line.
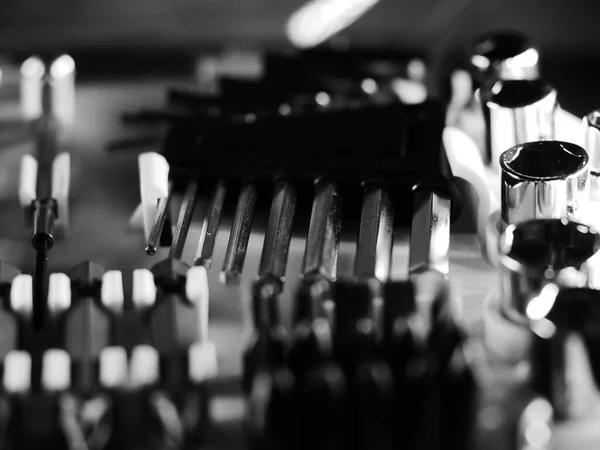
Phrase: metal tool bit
pixel 235 255
pixel 504 56
pixel 156 232
pixel 376 235
pixel 273 260
pixel 44 210
pixel 430 233
pixel 210 226
pixel 546 179
pixel 322 242
pixel 520 111
pixel 591 144
pixel 186 212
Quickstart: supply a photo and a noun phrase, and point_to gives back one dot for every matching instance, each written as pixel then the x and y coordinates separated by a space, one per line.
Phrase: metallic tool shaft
pixel 430 233
pixel 376 235
pixel 46 137
pixel 40 284
pixel 322 243
pixel 44 209
pixel 519 111
pixel 183 222
pixel 210 226
pixel 159 223
pixel 240 234
pixel 273 261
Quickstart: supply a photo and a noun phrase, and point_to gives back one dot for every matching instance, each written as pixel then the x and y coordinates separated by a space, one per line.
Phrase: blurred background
pixel 114 33
pixel 559 27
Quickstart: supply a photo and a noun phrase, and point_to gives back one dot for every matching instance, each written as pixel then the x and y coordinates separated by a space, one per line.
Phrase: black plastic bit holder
pixel 399 146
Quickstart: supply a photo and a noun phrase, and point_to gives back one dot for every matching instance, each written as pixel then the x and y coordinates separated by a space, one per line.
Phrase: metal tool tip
pixel 150 250
pixel 231 277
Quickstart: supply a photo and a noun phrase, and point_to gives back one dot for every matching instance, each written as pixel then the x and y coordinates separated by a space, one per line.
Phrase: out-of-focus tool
pixel 47 99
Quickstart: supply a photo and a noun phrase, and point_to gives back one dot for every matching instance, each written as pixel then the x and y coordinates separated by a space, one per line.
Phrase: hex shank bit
pixel 322 242
pixel 240 234
pixel 376 235
pixel 273 261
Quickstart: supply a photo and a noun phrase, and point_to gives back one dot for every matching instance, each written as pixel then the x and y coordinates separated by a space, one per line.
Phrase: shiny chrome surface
pixel 273 261
pixel 376 235
pixel 545 179
pixel 164 205
pixel 591 124
pixel 430 233
pixel 537 252
pixel 210 226
pixel 519 111
pixel 323 240
pixel 186 211
pixel 240 233
pixel 504 56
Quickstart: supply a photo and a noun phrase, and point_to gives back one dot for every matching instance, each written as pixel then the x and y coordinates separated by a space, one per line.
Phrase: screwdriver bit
pixel 183 222
pixel 273 261
pixel 322 242
pixel 210 226
pixel 162 218
pixel 240 233
pixel 430 233
pixel 376 235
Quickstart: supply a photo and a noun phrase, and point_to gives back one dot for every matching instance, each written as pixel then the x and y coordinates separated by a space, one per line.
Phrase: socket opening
pixel 544 160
